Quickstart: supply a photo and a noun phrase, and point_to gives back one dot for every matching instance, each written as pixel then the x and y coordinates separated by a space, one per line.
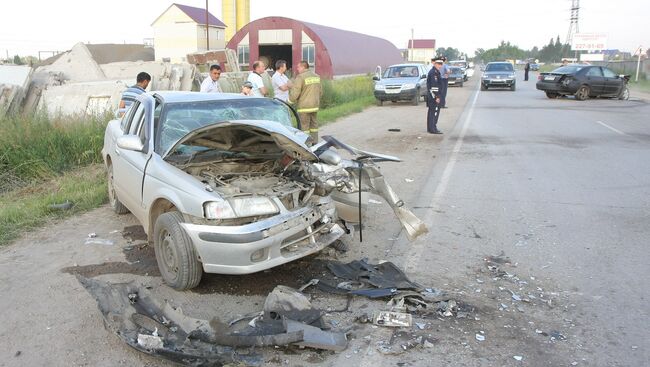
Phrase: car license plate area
pixel 549 78
pixel 392 91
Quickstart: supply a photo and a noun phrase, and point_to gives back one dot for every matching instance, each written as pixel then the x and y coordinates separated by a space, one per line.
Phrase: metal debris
pixel 314 337
pixel 480 337
pixel 392 319
pixel 518 358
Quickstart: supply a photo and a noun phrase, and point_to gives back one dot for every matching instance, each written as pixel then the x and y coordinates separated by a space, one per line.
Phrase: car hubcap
pixel 583 93
pixel 167 253
pixel 626 93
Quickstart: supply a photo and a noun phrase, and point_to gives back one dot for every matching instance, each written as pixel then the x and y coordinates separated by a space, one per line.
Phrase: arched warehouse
pixel 334 52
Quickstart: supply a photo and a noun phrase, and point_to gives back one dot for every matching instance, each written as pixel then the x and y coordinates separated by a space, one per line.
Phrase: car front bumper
pixel 397 95
pixel 498 82
pixel 266 243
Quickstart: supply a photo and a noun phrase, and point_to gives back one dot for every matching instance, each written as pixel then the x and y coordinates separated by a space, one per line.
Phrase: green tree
pixel 18 60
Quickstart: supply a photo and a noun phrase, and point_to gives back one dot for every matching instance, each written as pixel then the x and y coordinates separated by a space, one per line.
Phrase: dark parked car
pixel 583 81
pixel 457 76
pixel 534 66
pixel 500 75
pixel 403 82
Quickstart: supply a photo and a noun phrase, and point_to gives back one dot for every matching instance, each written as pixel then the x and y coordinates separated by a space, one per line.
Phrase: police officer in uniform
pixel 434 86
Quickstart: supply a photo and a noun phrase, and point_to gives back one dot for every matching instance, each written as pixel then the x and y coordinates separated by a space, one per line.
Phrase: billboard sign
pixel 589 42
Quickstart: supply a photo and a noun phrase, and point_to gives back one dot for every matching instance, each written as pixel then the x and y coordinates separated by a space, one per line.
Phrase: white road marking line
pixel 611 128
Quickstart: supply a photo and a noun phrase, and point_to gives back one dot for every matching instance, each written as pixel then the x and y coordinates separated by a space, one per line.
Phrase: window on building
pixel 243 53
pixel 309 54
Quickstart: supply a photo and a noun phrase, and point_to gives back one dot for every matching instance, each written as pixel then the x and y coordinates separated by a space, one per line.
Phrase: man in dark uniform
pixel 434 87
pixel 526 70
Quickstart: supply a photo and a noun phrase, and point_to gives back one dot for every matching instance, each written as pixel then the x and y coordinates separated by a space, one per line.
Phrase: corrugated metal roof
pixel 355 53
pixel 198 15
pixel 422 43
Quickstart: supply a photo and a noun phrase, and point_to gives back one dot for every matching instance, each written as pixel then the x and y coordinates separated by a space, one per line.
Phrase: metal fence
pixel 627 67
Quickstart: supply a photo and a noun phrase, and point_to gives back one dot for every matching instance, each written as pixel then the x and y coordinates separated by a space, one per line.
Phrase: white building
pixel 180 30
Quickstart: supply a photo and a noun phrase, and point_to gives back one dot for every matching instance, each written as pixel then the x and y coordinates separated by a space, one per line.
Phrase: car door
pixel 613 82
pixel 423 81
pixel 129 165
pixel 595 80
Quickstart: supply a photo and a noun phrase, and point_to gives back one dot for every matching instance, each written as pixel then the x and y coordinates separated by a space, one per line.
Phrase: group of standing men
pixel 437 84
pixel 303 92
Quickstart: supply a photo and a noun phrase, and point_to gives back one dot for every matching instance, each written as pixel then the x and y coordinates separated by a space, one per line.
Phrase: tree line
pixel 554 51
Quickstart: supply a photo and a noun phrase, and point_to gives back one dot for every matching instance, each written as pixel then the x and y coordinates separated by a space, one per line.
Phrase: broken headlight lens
pixel 240 208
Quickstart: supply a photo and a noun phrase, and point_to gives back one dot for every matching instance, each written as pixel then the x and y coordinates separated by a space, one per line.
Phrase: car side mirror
pixel 423 76
pixel 330 157
pixel 375 78
pixel 130 142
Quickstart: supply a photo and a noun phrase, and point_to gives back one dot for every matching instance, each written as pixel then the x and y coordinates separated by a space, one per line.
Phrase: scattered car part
pixel 392 319
pixel 314 337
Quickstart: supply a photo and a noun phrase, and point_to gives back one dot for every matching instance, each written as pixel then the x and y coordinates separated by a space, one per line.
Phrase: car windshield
pixel 461 64
pixel 499 67
pixel 180 118
pixel 401 72
pixel 456 70
pixel 568 69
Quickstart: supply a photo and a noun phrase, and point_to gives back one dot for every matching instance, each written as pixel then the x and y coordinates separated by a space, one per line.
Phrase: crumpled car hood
pixel 291 141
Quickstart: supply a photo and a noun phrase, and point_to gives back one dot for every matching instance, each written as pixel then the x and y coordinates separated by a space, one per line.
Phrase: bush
pixel 36 147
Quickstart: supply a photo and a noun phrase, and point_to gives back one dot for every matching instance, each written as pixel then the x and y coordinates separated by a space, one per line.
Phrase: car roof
pixel 178 96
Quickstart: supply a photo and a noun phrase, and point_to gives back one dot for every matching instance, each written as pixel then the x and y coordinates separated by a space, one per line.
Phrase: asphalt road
pixel 559 186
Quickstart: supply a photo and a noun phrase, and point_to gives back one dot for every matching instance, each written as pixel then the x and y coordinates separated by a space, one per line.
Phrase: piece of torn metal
pixel 314 337
pixel 384 275
pixel 392 319
pixel 235 340
pixel 286 302
pixel 134 315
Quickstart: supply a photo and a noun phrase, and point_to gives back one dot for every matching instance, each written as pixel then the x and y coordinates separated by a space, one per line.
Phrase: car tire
pixel 176 256
pixel 113 200
pixel 513 87
pixel 416 98
pixel 583 93
pixel 461 84
pixel 624 95
pixel 484 87
pixel 552 95
pixel 380 102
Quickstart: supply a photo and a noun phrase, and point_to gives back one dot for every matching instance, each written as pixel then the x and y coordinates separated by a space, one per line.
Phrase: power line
pixel 573 25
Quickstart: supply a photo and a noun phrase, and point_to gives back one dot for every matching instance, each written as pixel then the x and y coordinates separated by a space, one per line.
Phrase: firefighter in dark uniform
pixel 434 88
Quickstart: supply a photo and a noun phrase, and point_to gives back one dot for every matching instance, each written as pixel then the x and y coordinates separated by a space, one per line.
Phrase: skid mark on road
pixel 611 128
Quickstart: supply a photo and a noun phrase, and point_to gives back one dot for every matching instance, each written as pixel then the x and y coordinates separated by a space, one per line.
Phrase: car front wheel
pixel 583 93
pixel 115 203
pixel 416 98
pixel 625 94
pixel 175 253
pixel 380 102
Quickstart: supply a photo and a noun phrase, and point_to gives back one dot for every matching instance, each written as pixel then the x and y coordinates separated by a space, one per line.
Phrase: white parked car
pixel 224 183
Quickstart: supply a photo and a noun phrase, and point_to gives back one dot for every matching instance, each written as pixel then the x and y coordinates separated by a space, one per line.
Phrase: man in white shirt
pixel 211 84
pixel 281 83
pixel 255 77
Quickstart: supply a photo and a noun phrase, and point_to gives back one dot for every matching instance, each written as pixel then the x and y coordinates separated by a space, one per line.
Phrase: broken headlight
pixel 239 208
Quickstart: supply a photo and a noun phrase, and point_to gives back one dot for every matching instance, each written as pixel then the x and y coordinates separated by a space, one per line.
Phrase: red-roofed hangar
pixel 333 52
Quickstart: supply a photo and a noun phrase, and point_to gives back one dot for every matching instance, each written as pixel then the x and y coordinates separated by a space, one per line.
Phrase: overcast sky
pixel 29 26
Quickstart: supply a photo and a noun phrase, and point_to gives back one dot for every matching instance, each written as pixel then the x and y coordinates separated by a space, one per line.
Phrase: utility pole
pixel 412 48
pixel 573 25
pixel 638 64
pixel 207 27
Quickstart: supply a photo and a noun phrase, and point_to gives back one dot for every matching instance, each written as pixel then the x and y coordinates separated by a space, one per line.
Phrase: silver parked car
pixel 225 184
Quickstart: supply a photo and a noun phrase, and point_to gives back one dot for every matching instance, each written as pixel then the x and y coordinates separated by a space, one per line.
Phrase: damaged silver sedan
pixel 225 184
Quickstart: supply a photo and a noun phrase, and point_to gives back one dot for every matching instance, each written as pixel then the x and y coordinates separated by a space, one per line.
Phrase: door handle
pixel 117 151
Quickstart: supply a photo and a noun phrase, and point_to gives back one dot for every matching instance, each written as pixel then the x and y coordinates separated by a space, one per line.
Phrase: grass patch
pixel 333 113
pixel 27 208
pixel 642 85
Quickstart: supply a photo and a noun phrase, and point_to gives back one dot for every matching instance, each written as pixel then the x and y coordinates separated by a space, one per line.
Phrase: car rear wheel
pixel 551 95
pixel 583 93
pixel 175 253
pixel 380 102
pixel 115 203
pixel 625 93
